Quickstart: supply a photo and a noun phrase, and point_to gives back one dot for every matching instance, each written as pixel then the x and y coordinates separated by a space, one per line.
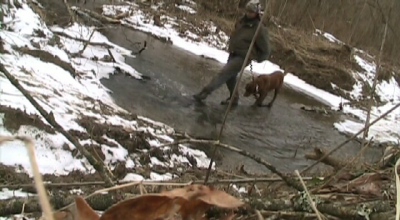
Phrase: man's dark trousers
pixel 227 75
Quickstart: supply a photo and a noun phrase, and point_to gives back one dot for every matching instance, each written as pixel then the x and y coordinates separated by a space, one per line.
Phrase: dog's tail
pixel 288 70
pixel 285 72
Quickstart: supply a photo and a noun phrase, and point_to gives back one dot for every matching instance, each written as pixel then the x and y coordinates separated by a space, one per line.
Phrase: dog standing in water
pixel 262 84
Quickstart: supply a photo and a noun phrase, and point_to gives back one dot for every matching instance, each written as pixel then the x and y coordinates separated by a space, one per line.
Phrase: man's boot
pixel 201 95
pixel 235 101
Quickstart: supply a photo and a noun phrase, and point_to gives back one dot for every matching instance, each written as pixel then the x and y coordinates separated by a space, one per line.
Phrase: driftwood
pixel 328 160
pixel 351 138
pixel 123 15
pixel 86 17
pixel 96 16
pixel 342 167
pixel 49 117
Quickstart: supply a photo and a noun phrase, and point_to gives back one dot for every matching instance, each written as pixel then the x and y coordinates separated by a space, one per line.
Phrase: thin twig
pixel 396 167
pixel 44 201
pixel 283 8
pixel 299 215
pixel 141 49
pixel 86 43
pixel 234 92
pixel 83 40
pixel 351 138
pixel 111 55
pixel 377 72
pixel 259 216
pixel 70 11
pixel 312 22
pixel 356 24
pixel 312 204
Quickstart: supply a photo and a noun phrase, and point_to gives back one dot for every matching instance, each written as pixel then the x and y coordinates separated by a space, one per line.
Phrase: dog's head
pixel 251 88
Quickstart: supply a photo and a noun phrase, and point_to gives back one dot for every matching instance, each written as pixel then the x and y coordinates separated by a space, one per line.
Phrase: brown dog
pixel 261 85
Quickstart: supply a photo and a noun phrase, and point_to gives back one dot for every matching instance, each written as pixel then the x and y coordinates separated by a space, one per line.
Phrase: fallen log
pixel 378 209
pixel 359 211
pixel 30 186
pixel 328 160
pixel 96 15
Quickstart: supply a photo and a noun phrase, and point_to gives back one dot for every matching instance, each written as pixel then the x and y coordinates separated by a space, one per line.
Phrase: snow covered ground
pixel 70 99
pixel 212 46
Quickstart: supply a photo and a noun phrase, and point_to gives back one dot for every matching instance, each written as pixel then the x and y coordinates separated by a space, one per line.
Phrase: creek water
pixel 276 134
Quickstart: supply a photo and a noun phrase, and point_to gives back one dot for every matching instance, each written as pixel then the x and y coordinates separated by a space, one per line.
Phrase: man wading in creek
pixel 238 45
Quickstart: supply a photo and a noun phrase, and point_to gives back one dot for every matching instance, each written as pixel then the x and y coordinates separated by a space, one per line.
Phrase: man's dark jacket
pixel 242 36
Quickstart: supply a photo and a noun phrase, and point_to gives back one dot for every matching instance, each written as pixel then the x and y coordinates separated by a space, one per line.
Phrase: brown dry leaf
pixel 62 215
pixel 221 199
pixel 200 198
pixel 149 206
pixel 190 202
pixel 190 192
pixel 206 194
pixel 79 211
pixel 194 209
pixel 59 215
pixel 191 208
pixel 84 211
